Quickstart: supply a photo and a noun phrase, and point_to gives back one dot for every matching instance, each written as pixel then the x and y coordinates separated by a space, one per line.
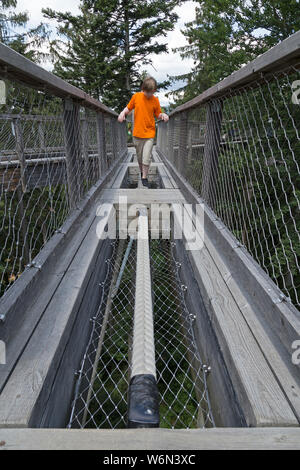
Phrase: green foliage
pixel 26 43
pixel 102 49
pixel 257 186
pixel 42 215
pixel 226 35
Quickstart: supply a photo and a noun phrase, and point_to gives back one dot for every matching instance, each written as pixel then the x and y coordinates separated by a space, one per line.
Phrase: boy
pixel 145 105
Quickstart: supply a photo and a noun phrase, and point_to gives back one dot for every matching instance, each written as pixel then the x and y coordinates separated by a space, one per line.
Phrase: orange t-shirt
pixel 144 111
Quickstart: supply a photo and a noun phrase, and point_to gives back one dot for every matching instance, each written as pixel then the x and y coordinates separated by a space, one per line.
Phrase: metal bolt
pixel 59 230
pixel 238 245
pixel 34 265
pixel 206 368
pixel 284 298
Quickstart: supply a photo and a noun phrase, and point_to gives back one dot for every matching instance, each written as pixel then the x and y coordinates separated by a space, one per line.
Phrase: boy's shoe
pixel 145 182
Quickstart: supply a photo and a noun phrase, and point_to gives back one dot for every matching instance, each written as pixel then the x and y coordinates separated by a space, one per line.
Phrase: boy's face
pixel 148 94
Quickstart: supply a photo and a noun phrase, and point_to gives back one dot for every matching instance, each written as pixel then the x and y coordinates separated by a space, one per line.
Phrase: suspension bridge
pixel 173 308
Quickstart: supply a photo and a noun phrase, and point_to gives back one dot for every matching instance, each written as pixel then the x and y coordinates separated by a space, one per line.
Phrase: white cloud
pixel 34 8
pixel 170 63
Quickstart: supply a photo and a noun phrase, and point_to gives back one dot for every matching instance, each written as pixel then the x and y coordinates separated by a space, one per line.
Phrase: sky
pixel 170 63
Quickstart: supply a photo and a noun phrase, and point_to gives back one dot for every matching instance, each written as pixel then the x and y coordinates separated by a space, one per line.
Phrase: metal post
pixel 73 147
pixel 190 144
pixel 113 138
pixel 182 147
pixel 171 133
pixel 41 134
pixel 211 150
pixel 101 142
pixel 22 189
pixel 20 151
pixel 85 149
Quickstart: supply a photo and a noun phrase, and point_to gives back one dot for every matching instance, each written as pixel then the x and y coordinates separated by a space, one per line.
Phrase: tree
pixel 101 50
pixel 227 34
pixel 26 43
pixel 259 208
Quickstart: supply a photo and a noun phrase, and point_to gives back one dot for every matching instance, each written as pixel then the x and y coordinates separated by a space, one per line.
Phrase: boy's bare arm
pixel 123 114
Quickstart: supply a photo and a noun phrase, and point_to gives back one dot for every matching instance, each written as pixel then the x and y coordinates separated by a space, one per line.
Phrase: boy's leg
pixel 138 143
pixel 147 154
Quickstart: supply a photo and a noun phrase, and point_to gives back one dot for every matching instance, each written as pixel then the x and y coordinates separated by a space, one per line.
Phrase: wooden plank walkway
pixel 264 384
pixel 151 439
pixel 141 196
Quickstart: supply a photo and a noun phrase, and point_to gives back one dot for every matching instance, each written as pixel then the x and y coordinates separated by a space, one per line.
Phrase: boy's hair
pixel 149 84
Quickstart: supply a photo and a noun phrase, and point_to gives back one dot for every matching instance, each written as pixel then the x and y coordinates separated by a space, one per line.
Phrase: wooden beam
pixel 16 66
pixel 151 439
pixel 141 196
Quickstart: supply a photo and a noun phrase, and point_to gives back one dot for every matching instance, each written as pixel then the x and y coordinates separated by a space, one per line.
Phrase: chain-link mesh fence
pixel 52 150
pixel 241 153
pixel 101 391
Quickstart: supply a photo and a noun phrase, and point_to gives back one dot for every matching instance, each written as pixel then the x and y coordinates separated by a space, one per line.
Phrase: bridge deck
pixel 252 382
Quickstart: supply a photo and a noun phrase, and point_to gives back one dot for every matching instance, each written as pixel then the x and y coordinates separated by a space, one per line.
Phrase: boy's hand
pixel 121 116
pixel 163 117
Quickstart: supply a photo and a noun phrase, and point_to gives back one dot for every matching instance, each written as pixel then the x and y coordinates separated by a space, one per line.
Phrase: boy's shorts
pixel 143 146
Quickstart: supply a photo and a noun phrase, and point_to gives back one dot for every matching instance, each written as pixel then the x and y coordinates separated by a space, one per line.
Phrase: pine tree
pixel 104 47
pixel 26 43
pixel 227 34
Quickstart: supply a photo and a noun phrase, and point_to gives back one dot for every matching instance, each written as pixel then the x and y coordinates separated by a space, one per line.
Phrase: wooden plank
pixel 56 412
pixel 287 374
pixel 225 406
pixel 135 170
pixel 151 439
pixel 37 367
pixel 153 164
pixel 21 322
pixel 260 397
pixel 156 157
pixel 144 196
pixel 167 180
pixel 120 173
pixel 275 58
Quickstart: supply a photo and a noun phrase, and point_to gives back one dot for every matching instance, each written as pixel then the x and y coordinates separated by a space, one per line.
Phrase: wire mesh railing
pixel 240 150
pixel 53 149
pixel 101 392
